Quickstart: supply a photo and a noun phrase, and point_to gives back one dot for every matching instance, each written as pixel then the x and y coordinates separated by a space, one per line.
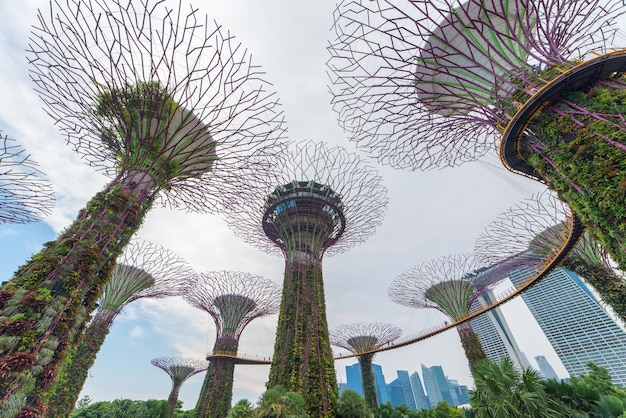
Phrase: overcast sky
pixel 430 214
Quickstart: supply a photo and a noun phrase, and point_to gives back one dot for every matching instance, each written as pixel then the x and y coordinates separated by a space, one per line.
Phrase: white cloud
pixel 137 332
pixel 430 214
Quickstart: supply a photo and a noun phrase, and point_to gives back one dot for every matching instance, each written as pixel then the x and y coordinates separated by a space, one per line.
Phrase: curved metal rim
pixel 596 68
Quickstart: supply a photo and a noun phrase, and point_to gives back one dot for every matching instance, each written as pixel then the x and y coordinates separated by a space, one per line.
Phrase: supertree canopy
pixel 144 270
pixel 539 225
pixel 25 196
pixel 326 201
pixel 233 299
pixel 436 83
pixel 179 369
pixel 168 105
pixel 363 338
pixel 451 284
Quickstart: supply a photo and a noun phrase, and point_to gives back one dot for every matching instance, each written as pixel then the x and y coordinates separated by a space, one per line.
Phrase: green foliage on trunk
pixel 610 285
pixel 584 160
pixel 303 360
pixel 367 376
pixel 471 344
pixel 217 389
pixel 44 308
pixel 75 369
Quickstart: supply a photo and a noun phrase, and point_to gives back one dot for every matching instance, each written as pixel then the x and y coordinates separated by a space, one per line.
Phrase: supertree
pixel 144 270
pixel 363 338
pixel 539 225
pixel 326 201
pixel 25 196
pixel 436 83
pixel 233 299
pixel 179 369
pixel 451 284
pixel 173 110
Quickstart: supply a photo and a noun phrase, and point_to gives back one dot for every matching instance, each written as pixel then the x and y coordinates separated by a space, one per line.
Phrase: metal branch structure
pixel 145 270
pixel 435 83
pixel 25 195
pixel 172 108
pixel 451 284
pixel 179 369
pixel 539 225
pixel 327 201
pixel 233 299
pixel 363 338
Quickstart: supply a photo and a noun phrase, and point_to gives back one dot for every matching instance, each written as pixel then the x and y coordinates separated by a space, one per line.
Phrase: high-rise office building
pixel 494 334
pixel 396 393
pixel 546 368
pixel 578 327
pixel 404 382
pixel 353 378
pixel 382 395
pixel 421 400
pixel 355 383
pixel 460 393
pixel 436 385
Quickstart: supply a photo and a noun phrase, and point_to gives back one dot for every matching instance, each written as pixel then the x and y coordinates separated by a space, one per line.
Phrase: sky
pixel 430 214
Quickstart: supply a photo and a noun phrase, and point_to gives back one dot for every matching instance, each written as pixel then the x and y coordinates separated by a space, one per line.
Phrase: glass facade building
pixel 576 324
pixel 494 334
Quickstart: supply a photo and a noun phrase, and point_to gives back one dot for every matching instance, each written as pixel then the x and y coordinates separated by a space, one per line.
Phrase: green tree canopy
pixel 502 391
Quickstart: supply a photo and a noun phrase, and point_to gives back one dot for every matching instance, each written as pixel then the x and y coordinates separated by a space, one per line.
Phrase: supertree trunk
pixel 179 369
pixel 367 377
pixel 578 146
pixel 303 360
pixel 217 389
pixel 55 291
pixel 172 399
pixel 363 339
pixel 471 345
pixel 75 369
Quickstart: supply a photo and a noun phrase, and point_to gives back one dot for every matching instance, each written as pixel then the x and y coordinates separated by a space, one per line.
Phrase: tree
pixel 195 138
pixel 233 299
pixel 352 405
pixel 364 338
pixel 277 402
pixel 451 284
pixel 503 391
pixel 144 270
pixel 179 369
pixel 435 83
pixel 242 409
pixel 589 394
pixel 124 408
pixel 326 201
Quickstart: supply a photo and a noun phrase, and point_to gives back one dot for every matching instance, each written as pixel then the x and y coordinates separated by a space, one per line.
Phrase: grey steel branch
pixel 25 195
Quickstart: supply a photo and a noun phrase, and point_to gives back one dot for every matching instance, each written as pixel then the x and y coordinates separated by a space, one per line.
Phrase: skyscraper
pixel 459 392
pixel 405 384
pixel 436 385
pixel 353 378
pixel 354 382
pixel 421 400
pixel 545 368
pixel 578 327
pixel 494 334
